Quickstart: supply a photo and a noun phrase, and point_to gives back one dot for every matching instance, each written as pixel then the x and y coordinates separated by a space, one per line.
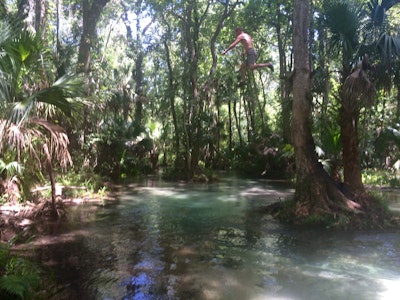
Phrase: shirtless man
pixel 247 43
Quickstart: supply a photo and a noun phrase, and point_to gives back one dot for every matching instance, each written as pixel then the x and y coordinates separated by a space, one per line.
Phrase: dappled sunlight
pixel 58 239
pixel 228 198
pixel 258 191
pixel 166 192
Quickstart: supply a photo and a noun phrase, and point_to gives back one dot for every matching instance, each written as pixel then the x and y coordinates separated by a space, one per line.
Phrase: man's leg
pixel 263 65
pixel 243 72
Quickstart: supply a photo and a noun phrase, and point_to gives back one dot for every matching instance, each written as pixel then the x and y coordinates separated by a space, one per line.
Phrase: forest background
pixel 98 90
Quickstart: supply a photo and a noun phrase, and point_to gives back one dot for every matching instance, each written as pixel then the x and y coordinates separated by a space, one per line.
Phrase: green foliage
pixel 122 149
pixel 31 96
pixel 11 169
pixel 20 278
pixel 228 129
pixel 390 135
pixel 83 178
pixel 343 20
pixel 381 178
pixel 264 157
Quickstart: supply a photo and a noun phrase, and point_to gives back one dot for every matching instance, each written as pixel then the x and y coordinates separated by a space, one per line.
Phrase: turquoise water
pixel 209 241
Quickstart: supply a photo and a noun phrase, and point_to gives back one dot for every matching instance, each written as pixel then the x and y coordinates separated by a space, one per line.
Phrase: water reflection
pixel 176 241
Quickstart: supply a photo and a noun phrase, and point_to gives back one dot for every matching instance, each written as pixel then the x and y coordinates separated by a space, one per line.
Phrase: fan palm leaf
pixel 388 46
pixel 378 10
pixel 343 19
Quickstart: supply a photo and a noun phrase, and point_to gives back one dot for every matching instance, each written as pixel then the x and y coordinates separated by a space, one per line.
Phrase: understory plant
pixel 19 277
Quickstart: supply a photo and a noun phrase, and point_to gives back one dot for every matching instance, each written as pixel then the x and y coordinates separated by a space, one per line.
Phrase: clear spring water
pixel 208 241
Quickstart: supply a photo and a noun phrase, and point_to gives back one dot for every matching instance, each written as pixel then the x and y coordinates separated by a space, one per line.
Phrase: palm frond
pixel 4 90
pixel 388 46
pixel 28 46
pixel 357 88
pixel 21 111
pixel 14 285
pixel 12 168
pixel 59 94
pixel 344 21
pixel 390 135
pixel 57 143
pixel 378 10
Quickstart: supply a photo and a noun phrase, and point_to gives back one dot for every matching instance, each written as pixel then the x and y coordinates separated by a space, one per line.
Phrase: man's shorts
pixel 251 56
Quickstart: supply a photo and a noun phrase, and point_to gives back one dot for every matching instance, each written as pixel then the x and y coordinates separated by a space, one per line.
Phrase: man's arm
pixel 232 45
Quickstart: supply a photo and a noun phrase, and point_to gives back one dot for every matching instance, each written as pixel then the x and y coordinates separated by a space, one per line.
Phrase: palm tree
pixel 27 133
pixel 318 198
pixel 345 20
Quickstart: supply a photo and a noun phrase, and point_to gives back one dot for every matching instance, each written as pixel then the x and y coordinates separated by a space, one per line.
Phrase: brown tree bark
pixel 91 11
pixel 49 167
pixel 171 96
pixel 351 152
pixel 285 78
pixel 316 193
pixel 40 17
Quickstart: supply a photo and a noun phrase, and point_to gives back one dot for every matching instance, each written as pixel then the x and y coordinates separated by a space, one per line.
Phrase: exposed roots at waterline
pixel 362 212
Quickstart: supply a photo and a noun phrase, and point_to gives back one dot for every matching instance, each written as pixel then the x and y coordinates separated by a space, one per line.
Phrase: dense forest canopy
pixel 114 89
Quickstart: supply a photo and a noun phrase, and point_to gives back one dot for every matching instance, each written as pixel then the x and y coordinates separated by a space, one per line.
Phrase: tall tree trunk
pixel 139 58
pixel 91 11
pixel 285 78
pixel 171 97
pixel 305 155
pixel 316 193
pixel 40 17
pixel 355 87
pixel 191 23
pixel 237 121
pixel 351 152
pixel 23 9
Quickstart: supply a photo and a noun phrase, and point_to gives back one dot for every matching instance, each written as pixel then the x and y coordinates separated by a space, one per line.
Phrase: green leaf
pixel 14 285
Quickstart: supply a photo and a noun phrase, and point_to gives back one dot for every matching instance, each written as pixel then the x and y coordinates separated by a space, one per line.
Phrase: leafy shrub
pixel 20 278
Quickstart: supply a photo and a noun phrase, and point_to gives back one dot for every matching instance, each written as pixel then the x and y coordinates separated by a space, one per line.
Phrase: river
pixel 163 240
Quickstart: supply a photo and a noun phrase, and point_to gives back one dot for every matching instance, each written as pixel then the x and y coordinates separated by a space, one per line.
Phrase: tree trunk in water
pixel 194 105
pixel 316 193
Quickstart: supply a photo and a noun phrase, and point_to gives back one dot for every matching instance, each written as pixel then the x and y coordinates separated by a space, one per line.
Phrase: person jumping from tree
pixel 247 43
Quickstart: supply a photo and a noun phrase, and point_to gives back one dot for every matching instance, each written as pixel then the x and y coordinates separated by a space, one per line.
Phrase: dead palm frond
pixel 357 88
pixel 56 140
pixel 29 137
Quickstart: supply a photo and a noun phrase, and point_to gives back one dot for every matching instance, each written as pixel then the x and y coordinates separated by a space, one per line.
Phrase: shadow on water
pixel 184 241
